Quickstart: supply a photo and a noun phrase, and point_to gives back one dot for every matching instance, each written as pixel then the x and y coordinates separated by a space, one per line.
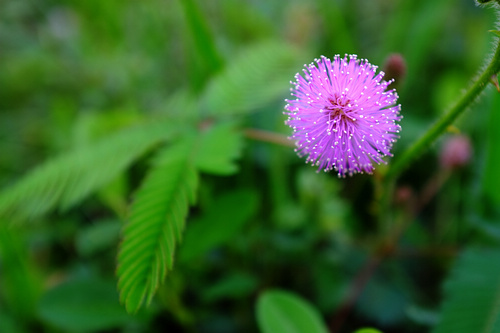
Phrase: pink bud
pixel 456 152
pixel 395 68
pixel 403 195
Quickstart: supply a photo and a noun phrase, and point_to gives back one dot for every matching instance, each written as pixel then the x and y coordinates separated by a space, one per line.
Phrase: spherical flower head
pixel 342 116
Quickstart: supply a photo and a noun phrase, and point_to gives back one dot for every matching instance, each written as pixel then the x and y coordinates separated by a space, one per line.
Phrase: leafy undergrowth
pixel 147 183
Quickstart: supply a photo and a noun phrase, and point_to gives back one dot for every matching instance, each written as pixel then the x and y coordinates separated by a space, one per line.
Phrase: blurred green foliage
pixel 278 310
pixel 95 96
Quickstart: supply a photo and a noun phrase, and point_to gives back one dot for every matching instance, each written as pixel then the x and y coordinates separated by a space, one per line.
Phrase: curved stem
pixel 446 120
pixel 267 136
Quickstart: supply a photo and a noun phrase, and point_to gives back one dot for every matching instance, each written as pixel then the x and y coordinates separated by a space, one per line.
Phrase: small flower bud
pixel 456 152
pixel 395 68
pixel 403 195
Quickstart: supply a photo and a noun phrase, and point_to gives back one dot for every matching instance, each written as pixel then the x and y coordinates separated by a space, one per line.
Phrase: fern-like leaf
pixel 156 223
pixel 472 294
pixel 65 180
pixel 260 74
pixel 220 145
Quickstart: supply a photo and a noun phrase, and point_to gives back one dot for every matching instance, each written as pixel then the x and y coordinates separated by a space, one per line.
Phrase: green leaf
pixel 367 330
pixel 496 32
pixel 383 300
pixel 423 316
pixel 260 74
pixel 114 195
pixel 232 286
pixel 156 223
pixel 21 283
pixel 66 180
pixel 203 40
pixel 472 294
pixel 182 104
pixel 226 218
pixel 83 305
pixel 97 237
pixel 220 145
pixel 491 176
pixel 92 126
pixel 10 324
pixel 280 311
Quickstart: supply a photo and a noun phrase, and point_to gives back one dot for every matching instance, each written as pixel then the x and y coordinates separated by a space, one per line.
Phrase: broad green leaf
pixel 220 145
pixel 65 180
pixel 21 282
pixel 259 75
pixel 472 294
pixel 156 224
pixel 226 218
pixel 280 311
pixel 491 176
pixel 367 330
pixel 83 305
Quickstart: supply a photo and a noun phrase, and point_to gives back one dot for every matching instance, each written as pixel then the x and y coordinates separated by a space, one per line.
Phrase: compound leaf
pixel 260 74
pixel 220 145
pixel 156 222
pixel 472 294
pixel 66 180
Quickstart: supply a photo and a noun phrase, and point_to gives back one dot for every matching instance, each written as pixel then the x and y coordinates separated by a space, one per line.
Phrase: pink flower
pixel 342 117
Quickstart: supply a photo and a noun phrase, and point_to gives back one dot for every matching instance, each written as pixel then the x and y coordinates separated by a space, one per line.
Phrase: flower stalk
pixel 446 120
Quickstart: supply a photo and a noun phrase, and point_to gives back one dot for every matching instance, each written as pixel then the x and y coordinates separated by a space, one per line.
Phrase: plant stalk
pixel 446 120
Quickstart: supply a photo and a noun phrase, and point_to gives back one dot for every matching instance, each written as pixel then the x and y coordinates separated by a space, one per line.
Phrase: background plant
pixel 143 148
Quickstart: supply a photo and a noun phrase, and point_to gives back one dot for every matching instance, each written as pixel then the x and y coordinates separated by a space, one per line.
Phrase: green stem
pixel 446 120
pixel 388 183
pixel 205 51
